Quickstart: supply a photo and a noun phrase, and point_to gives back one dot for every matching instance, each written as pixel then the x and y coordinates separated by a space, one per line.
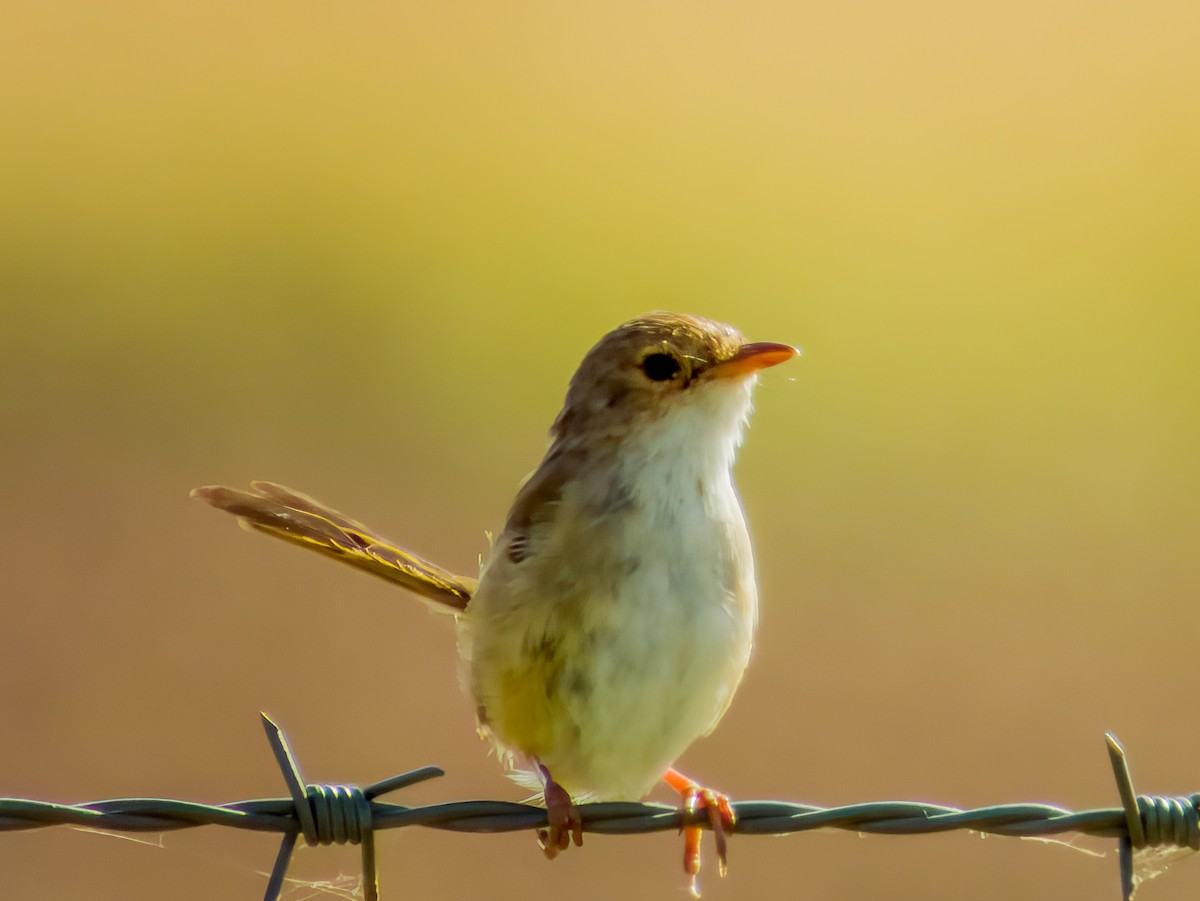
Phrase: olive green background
pixel 359 248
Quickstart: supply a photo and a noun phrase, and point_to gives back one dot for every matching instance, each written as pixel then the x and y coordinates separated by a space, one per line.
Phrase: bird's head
pixel 665 370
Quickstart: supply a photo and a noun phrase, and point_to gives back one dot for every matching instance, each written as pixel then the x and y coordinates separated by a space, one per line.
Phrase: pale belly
pixel 609 682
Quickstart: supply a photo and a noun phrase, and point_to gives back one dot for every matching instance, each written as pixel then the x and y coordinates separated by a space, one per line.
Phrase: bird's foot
pixel 564 824
pixel 720 817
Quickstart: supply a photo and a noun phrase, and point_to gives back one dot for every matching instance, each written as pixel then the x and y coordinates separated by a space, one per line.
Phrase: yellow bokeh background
pixel 359 248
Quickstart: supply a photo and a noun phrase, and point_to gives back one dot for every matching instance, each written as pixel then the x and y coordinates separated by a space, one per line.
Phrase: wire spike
pixel 1133 818
pixel 291 775
pixel 403 780
pixel 1120 765
pixel 279 870
pixel 370 874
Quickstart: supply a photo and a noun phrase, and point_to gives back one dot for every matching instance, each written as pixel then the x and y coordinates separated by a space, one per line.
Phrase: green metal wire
pixel 339 814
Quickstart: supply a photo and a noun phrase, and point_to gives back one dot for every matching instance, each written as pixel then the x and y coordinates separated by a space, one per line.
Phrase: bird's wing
pixel 298 518
pixel 537 501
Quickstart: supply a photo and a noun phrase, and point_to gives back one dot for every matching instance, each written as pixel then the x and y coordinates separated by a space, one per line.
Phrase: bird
pixel 614 614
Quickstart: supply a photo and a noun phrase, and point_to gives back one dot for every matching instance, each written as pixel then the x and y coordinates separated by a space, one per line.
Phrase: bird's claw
pixel 564 824
pixel 721 819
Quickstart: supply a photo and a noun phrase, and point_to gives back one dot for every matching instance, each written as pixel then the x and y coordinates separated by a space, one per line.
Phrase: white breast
pixel 649 609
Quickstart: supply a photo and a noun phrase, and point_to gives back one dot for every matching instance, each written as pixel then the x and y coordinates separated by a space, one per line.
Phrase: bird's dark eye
pixel 661 367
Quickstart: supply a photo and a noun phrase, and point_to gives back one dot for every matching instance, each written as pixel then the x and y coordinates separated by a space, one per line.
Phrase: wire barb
pixel 330 814
pixel 1151 821
pixel 1150 829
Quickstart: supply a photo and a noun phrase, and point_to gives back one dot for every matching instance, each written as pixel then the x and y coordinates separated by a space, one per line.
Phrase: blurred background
pixel 359 249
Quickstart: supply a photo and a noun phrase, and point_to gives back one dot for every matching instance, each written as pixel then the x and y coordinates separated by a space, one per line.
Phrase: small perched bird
pixel 614 616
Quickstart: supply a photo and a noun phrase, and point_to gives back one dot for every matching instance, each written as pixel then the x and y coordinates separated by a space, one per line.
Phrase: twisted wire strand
pixel 340 814
pixel 1170 821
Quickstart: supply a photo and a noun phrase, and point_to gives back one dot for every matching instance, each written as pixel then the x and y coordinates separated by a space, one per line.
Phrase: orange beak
pixel 752 357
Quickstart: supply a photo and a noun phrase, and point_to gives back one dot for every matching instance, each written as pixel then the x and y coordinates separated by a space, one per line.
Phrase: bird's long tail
pixel 300 519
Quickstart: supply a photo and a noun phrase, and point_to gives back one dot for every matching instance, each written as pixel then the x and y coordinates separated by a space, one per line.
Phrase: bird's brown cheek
pixel 617 395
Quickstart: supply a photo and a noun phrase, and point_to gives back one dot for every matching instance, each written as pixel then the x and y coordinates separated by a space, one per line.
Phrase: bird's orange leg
pixel 720 816
pixel 564 823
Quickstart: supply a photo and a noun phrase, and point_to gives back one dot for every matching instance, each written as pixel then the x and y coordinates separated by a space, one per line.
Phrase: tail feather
pixel 300 519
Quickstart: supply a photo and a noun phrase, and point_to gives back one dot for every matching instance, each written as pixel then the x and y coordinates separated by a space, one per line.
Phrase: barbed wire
pixel 326 814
